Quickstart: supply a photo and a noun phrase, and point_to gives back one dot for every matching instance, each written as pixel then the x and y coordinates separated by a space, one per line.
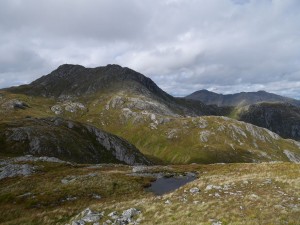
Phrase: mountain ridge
pixel 239 99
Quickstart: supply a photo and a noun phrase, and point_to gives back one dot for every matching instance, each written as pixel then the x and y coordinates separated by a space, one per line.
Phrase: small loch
pixel 163 185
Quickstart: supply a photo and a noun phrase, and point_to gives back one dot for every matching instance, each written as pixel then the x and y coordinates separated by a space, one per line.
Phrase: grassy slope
pixel 225 142
pixel 257 194
pixel 47 203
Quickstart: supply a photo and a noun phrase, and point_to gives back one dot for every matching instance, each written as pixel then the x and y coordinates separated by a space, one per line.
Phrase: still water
pixel 164 185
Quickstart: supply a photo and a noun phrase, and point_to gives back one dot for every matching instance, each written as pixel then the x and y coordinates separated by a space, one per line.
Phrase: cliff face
pixel 66 140
pixel 283 119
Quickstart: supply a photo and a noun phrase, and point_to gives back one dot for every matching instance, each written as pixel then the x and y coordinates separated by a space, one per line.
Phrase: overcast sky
pixel 224 46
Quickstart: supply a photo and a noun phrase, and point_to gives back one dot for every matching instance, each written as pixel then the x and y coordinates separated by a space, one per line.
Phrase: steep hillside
pixel 206 139
pixel 281 118
pixel 239 99
pixel 160 134
pixel 165 129
pixel 66 140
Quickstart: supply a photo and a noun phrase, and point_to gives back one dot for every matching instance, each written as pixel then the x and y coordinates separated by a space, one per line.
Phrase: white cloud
pixel 183 45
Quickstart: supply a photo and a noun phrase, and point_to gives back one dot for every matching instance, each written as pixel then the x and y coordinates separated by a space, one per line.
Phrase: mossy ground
pixel 48 201
pixel 267 193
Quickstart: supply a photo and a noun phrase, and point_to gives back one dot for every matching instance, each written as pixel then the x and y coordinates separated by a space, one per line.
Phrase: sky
pixel 225 46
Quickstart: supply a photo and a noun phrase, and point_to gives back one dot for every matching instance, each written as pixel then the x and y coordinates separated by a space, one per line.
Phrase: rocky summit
pixel 74 80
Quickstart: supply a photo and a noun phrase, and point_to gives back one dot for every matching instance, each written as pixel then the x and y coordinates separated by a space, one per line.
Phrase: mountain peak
pixel 70 80
pixel 116 66
pixel 66 69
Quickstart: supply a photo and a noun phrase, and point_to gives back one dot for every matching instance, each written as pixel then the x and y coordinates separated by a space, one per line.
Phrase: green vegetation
pixel 187 135
pixel 43 198
pixel 266 193
pixel 167 138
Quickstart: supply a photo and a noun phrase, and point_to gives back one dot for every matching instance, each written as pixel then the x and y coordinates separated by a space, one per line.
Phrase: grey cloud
pixel 102 19
pixel 226 46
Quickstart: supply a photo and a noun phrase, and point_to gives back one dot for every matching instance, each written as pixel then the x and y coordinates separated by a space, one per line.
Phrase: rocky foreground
pixel 58 192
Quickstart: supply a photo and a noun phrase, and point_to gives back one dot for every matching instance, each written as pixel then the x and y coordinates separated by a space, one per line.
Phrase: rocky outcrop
pixel 13 170
pixel 87 216
pixel 147 105
pixel 68 106
pixel 13 104
pixel 66 140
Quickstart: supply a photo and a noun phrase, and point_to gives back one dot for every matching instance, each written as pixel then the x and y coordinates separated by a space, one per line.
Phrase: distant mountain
pixel 67 140
pixel 274 112
pixel 239 99
pixel 281 118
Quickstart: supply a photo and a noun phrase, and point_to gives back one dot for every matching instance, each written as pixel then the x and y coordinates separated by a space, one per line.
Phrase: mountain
pixel 75 81
pixel 281 118
pixel 239 99
pixel 128 104
pixel 69 81
pixel 67 140
pixel 274 112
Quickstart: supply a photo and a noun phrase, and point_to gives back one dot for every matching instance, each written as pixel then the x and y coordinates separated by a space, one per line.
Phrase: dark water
pixel 164 185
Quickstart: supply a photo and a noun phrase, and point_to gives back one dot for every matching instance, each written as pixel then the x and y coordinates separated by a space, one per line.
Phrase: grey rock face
pixel 292 156
pixel 121 149
pixel 89 216
pixel 13 170
pixel 283 119
pixel 129 213
pixel 65 139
